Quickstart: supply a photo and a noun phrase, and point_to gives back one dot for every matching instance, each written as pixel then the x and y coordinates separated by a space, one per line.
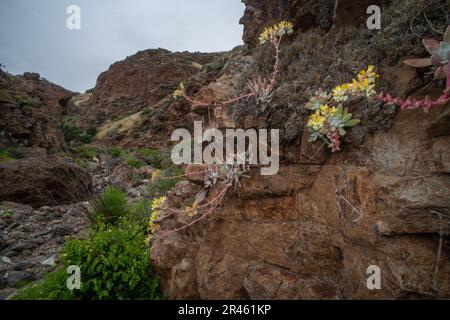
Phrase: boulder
pixel 44 181
pixel 15 277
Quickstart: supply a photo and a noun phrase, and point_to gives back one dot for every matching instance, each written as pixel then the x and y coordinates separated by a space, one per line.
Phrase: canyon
pixel 309 232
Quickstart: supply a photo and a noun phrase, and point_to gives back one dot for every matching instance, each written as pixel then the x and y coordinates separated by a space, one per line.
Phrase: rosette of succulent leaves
pixel 439 59
pixel 331 119
pixel 260 88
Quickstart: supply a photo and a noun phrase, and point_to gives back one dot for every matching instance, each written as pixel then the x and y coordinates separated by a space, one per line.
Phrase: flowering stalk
pixel 261 89
pixel 226 176
pixel 440 56
pixel 211 206
pixel 412 104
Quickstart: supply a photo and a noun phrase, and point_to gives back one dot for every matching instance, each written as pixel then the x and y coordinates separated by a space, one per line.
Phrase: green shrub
pixel 140 212
pixel 92 131
pixel 24 101
pixel 6 213
pixel 113 260
pixel 27 110
pixel 152 157
pixel 109 207
pixel 159 159
pixel 52 287
pixel 86 152
pixel 161 184
pixel 115 152
pixel 114 266
pixel 71 133
pixel 146 112
pixel 10 153
pixel 133 162
pixel 76 134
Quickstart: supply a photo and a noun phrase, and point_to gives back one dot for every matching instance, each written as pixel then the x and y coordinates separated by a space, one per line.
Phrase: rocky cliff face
pixel 30 110
pixel 140 81
pixel 312 231
pixel 322 14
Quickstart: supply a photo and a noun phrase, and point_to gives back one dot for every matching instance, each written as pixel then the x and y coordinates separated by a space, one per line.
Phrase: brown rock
pixel 139 81
pixel 43 181
pixel 195 173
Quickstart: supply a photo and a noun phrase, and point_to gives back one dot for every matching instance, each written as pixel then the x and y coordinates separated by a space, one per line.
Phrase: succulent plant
pixel 319 99
pixel 343 119
pixel 440 56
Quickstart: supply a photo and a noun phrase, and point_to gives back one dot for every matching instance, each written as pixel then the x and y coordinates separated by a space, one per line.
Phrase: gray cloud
pixel 34 37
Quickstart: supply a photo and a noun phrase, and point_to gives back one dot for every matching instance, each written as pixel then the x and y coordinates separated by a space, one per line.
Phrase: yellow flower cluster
pixel 156 206
pixel 327 111
pixel 364 84
pixel 276 31
pixel 180 92
pixel 317 120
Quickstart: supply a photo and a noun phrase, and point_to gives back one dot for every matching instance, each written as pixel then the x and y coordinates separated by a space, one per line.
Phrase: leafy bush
pixel 71 133
pixel 86 152
pixel 52 287
pixel 160 184
pixel 113 260
pixel 76 134
pixel 140 212
pixel 147 111
pixel 25 101
pixel 114 266
pixel 109 207
pixel 115 152
pixel 6 213
pixel 27 110
pixel 159 159
pixel 92 132
pixel 153 157
pixel 133 162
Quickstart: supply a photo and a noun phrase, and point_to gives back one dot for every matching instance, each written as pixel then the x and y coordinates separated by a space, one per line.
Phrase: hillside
pixel 372 191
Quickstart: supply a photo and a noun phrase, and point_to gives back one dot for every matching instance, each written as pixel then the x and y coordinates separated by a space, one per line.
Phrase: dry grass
pixel 119 126
pixel 81 99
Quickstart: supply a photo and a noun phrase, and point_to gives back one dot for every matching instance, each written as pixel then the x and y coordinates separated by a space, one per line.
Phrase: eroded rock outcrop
pixel 312 231
pixel 30 111
pixel 43 181
pixel 140 81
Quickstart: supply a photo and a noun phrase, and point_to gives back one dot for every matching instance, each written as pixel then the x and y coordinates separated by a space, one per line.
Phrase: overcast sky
pixel 34 36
